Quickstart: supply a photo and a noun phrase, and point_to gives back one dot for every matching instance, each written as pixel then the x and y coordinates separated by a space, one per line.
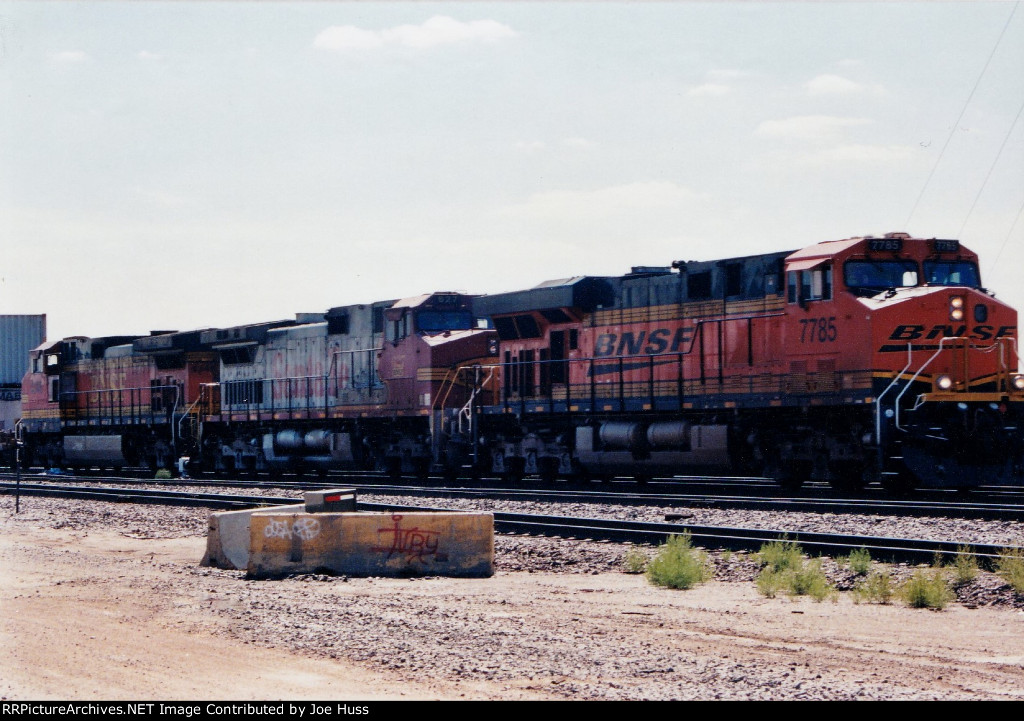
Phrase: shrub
pixel 1010 565
pixel 678 564
pixel 876 588
pixel 635 561
pixel 769 582
pixel 924 591
pixel 965 566
pixel 780 555
pixel 860 561
pixel 163 475
pixel 809 580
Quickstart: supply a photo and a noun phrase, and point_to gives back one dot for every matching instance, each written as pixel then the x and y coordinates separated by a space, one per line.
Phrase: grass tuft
pixel 163 475
pixel 809 580
pixel 780 555
pixel 924 591
pixel 678 564
pixel 769 582
pixel 784 569
pixel 860 561
pixel 965 566
pixel 635 561
pixel 876 588
pixel 1010 566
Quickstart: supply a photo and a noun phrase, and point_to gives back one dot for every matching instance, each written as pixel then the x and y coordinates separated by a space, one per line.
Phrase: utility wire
pixel 960 117
pixel 991 168
pixel 995 262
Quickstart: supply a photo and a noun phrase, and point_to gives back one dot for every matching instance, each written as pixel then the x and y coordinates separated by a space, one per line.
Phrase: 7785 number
pixel 818 330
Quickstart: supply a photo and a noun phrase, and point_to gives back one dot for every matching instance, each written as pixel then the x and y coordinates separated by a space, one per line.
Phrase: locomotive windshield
pixel 432 321
pixel 951 272
pixel 869 277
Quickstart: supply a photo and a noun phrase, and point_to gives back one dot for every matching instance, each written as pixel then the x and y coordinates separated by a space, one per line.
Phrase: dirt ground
pixel 96 613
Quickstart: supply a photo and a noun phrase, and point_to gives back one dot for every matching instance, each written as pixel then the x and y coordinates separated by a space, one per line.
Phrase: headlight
pixel 944 383
pixel 956 308
pixel 1018 382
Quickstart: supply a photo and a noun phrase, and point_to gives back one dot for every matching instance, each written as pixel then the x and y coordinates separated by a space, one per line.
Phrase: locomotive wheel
pixel 515 469
pixel 548 469
pixel 847 477
pixel 899 484
pixel 421 468
pixel 795 474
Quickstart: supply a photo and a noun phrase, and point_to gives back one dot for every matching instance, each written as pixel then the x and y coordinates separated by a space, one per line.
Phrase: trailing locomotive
pixel 852 361
pixel 355 387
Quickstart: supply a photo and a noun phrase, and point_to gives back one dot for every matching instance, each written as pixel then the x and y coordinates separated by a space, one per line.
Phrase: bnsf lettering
pixel 907 332
pixel 946 331
pixel 630 345
pixel 981 332
pixel 657 341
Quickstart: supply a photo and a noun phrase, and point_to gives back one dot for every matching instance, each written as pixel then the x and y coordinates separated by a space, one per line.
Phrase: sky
pixel 187 165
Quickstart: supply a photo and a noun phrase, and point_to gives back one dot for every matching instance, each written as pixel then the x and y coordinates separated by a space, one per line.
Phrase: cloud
pixel 69 57
pixel 808 127
pixel 709 90
pixel 146 55
pixel 828 84
pixel 438 30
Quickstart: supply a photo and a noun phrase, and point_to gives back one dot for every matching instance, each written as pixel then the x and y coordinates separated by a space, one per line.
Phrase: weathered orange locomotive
pixel 853 361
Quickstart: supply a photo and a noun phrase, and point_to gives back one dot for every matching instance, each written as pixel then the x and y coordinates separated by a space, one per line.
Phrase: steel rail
pixel 639 532
pixel 882 507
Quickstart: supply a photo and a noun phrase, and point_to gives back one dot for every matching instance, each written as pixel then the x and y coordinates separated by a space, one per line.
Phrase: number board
pixel 892 245
pixel 945 246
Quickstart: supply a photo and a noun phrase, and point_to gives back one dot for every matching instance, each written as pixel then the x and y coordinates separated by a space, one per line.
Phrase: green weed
pixel 809 580
pixel 876 588
pixel 1010 565
pixel 678 564
pixel 769 582
pixel 924 591
pixel 965 566
pixel 860 561
pixel 780 555
pixel 635 561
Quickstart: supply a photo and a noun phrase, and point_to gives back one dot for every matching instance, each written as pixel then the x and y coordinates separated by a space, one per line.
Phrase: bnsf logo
pixel 653 343
pixel 979 332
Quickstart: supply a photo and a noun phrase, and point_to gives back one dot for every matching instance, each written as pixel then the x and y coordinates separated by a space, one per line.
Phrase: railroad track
pixel 1011 510
pixel 637 532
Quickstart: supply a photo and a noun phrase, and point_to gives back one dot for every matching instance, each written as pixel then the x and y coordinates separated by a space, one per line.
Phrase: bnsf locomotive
pixel 853 361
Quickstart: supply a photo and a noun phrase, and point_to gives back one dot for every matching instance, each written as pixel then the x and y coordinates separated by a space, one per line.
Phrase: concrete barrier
pixel 421 543
pixel 227 537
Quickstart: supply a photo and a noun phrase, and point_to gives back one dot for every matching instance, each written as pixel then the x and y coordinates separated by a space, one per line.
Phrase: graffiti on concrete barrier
pixel 305 529
pixel 413 543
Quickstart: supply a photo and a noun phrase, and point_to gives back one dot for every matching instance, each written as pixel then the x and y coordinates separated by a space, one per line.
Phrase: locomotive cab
pixel 941 353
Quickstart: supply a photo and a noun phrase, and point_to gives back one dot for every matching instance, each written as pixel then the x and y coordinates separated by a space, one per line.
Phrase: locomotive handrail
pixel 967 344
pixel 913 378
pixel 188 411
pixel 466 410
pixel 878 400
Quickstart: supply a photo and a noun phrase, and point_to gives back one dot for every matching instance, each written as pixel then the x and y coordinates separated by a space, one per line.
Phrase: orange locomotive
pixel 853 361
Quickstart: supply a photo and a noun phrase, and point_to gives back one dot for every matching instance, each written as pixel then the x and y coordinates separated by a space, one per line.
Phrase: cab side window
pixel 809 285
